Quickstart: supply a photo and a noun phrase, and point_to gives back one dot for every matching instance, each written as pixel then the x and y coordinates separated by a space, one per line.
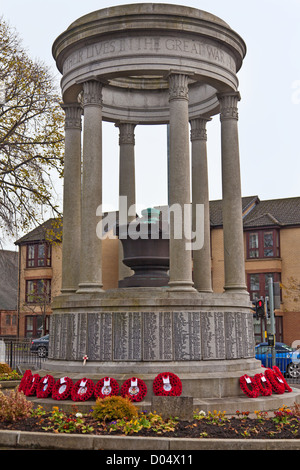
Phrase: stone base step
pixel 184 407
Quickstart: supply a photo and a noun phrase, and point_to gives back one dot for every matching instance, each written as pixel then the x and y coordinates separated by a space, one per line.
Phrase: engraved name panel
pixel 231 335
pixel 187 336
pixel 213 335
pixel 100 336
pixel 158 344
pixel 127 327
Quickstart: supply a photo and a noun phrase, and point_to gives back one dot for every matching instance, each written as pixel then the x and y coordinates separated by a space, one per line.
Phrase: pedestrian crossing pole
pixel 272 319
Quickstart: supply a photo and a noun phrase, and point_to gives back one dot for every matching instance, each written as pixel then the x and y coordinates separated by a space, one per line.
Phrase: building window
pixel 263 244
pixel 258 284
pixel 36 325
pixel 38 255
pixel 38 291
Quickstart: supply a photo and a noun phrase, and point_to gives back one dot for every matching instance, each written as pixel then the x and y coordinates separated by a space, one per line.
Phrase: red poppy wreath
pixel 249 386
pixel 106 387
pixel 263 384
pixel 25 380
pixel 82 390
pixel 45 386
pixel 278 372
pixel 62 388
pixel 134 388
pixel 167 384
pixel 31 385
pixel 276 381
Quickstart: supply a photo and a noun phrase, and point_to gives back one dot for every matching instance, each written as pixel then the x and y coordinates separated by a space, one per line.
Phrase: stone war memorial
pixel 138 65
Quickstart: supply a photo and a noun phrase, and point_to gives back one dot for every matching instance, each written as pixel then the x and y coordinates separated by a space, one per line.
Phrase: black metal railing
pixel 18 354
pixel 284 361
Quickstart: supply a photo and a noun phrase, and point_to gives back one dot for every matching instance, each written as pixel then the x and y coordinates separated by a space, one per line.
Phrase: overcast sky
pixel 269 110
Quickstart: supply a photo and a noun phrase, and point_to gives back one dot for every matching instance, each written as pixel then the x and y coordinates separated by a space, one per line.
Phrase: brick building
pixel 272 248
pixel 40 256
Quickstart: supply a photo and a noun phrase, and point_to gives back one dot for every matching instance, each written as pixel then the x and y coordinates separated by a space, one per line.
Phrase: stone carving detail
pixel 228 105
pixel 126 135
pixel 198 129
pixel 92 93
pixel 73 114
pixel 178 87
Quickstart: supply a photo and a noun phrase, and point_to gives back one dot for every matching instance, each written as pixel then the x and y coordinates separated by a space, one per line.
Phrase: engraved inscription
pixel 187 337
pixel 231 340
pixel 81 336
pixel 220 335
pixel 100 336
pixel 127 336
pixel 239 326
pixel 168 45
pixel 157 336
pixel 213 335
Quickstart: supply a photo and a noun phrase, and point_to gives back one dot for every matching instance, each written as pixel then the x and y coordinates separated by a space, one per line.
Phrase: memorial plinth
pixel 147 64
pixel 206 339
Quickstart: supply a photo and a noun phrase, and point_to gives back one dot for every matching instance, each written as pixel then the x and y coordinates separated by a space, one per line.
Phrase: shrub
pixel 4 368
pixel 14 406
pixel 6 373
pixel 114 407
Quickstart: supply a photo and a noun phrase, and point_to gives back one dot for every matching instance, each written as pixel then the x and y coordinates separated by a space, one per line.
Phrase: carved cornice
pixel 178 87
pixel 92 93
pixel 73 113
pixel 228 105
pixel 198 128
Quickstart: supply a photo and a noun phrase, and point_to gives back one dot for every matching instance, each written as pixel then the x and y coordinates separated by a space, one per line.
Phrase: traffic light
pixel 260 308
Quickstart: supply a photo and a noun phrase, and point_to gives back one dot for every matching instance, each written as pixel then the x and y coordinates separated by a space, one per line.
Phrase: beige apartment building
pixel 272 248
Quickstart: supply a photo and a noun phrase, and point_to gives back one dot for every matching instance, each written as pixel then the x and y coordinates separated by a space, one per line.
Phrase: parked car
pixel 287 358
pixel 40 346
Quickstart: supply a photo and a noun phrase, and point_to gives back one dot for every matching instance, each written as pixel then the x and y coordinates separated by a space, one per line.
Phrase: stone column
pixel 179 184
pixel 127 165
pixel 126 183
pixel 91 246
pixel 71 199
pixel 200 195
pixel 232 198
